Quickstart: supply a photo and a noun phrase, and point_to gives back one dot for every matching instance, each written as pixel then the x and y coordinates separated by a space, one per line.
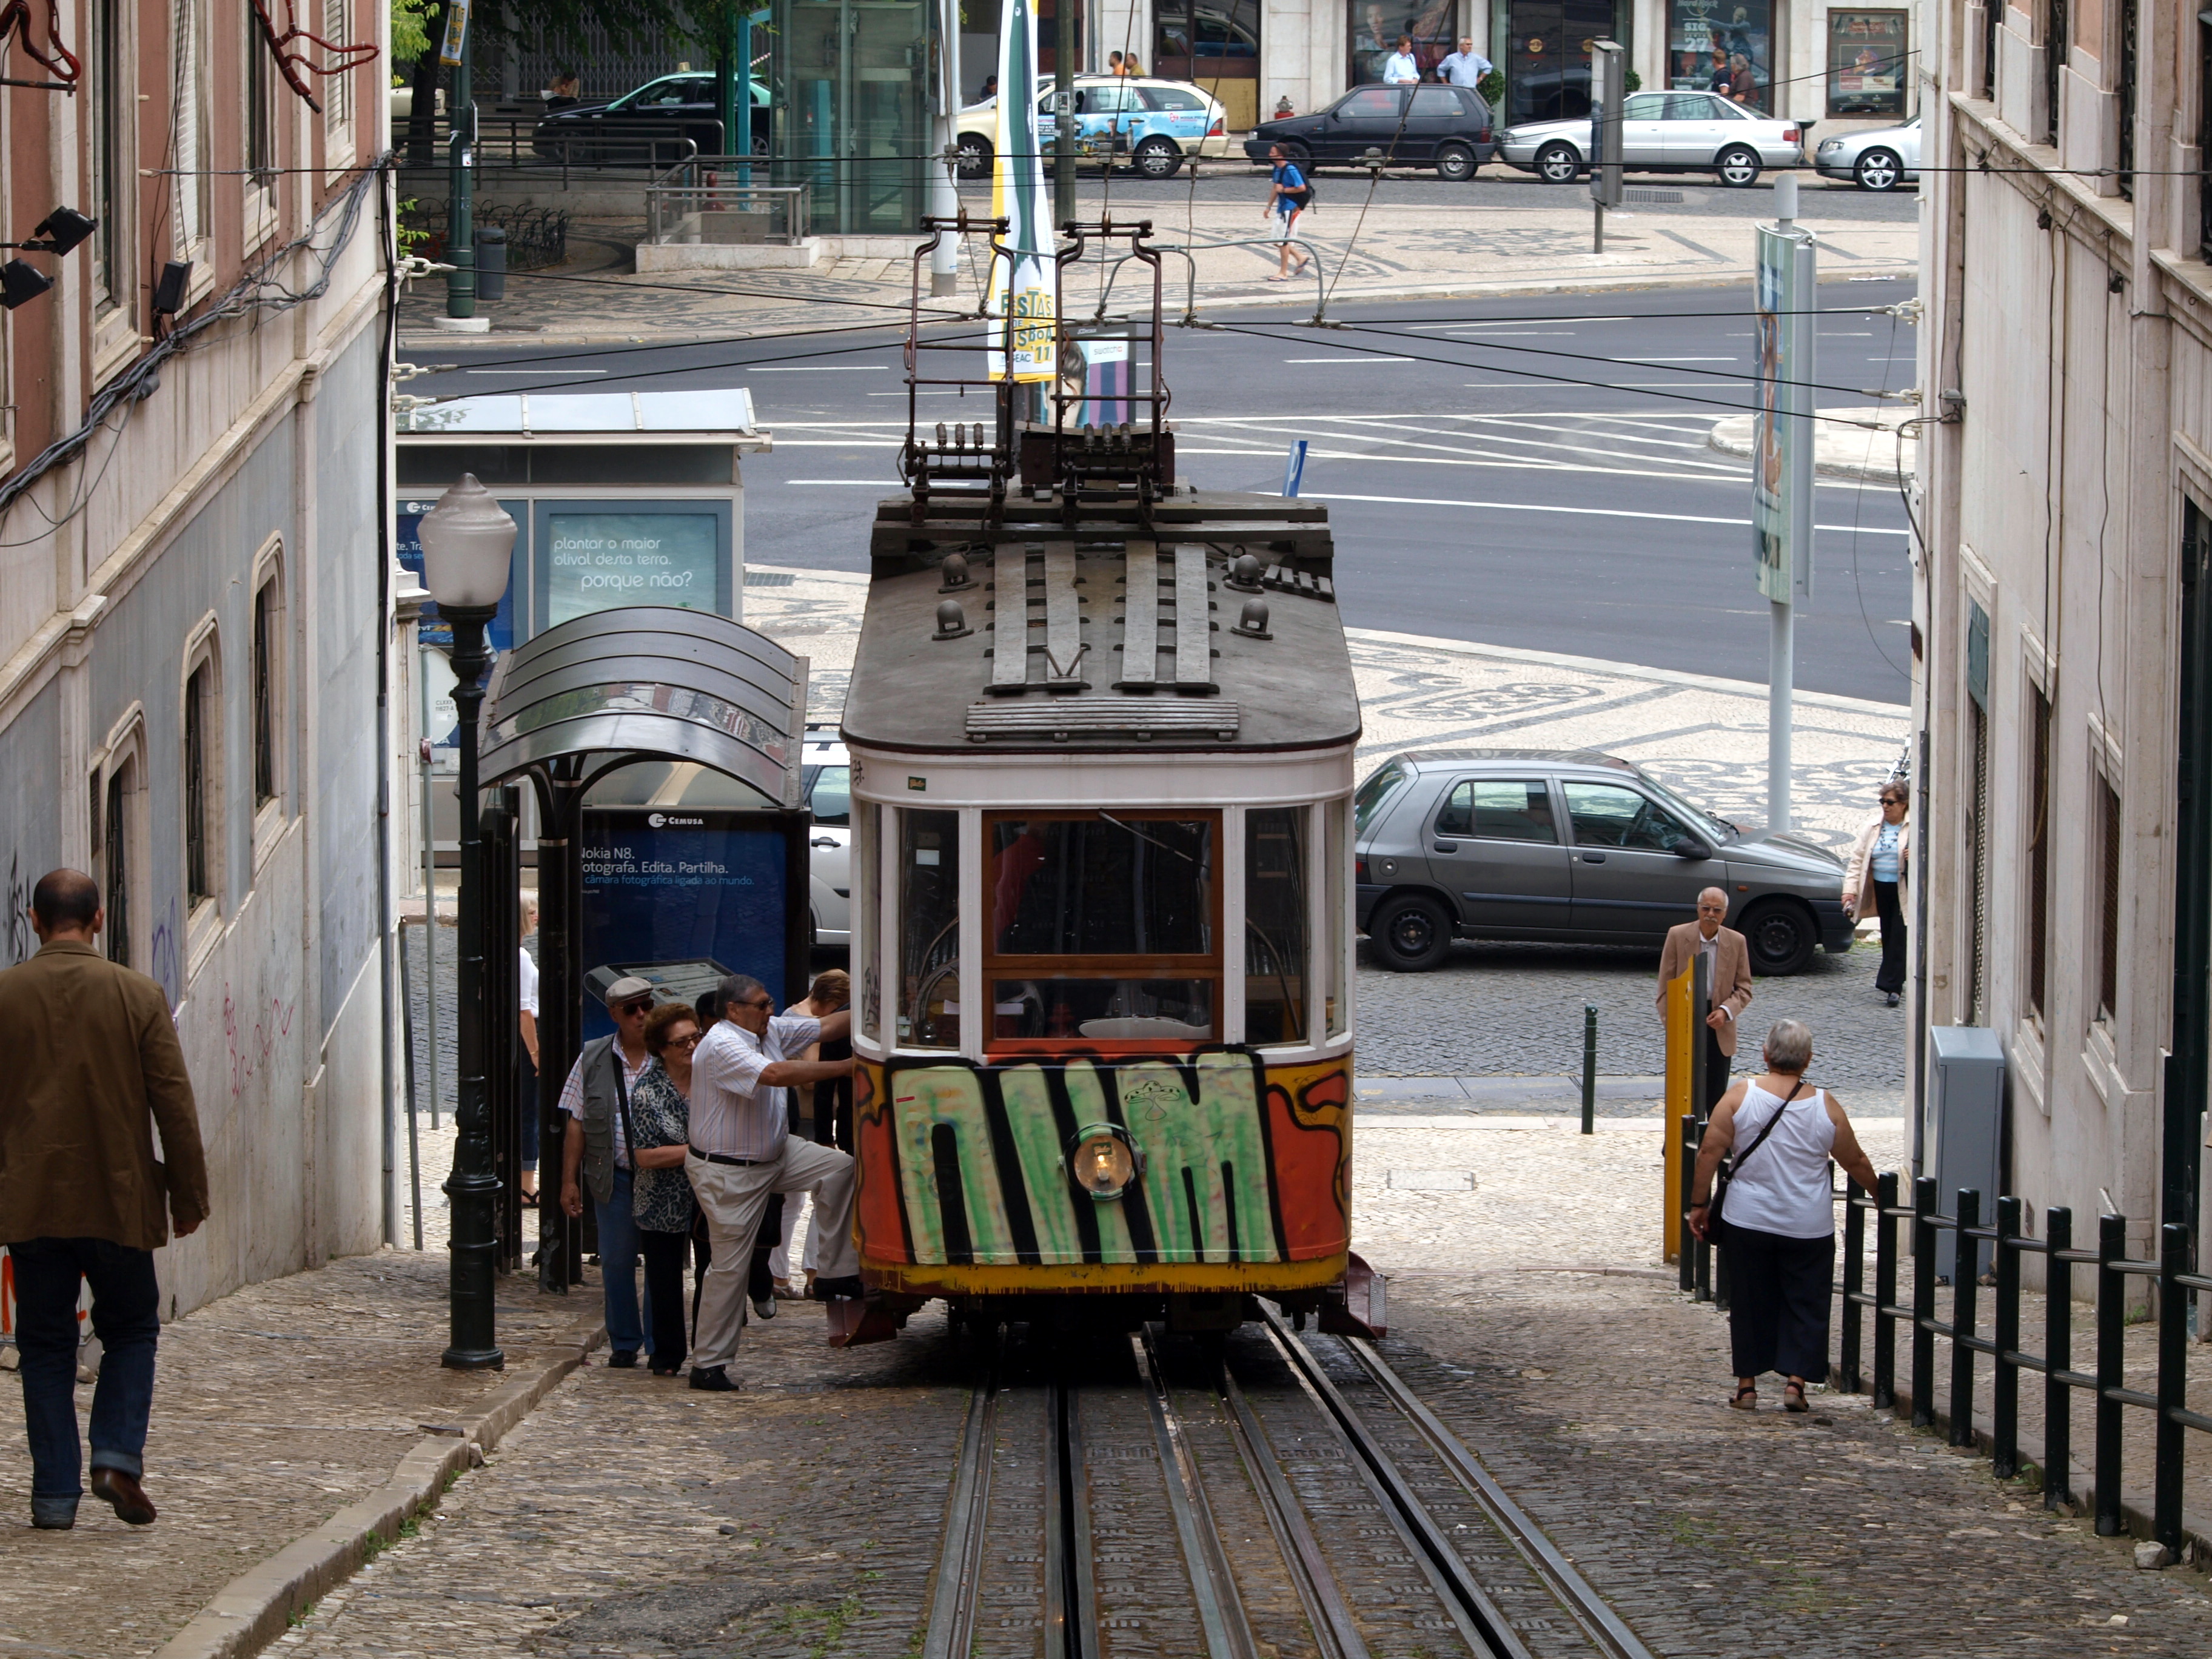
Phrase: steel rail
pixel 1070 1600
pixel 1213 1585
pixel 1328 1616
pixel 1480 1621
pixel 951 1634
pixel 1605 1628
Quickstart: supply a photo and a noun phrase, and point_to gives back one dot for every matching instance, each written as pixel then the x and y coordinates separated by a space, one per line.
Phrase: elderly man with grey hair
pixel 742 1151
pixel 1778 1226
pixel 1730 980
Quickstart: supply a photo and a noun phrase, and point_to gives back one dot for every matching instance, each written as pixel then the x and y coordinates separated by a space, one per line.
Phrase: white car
pixel 1880 158
pixel 1139 121
pixel 1663 132
pixel 826 776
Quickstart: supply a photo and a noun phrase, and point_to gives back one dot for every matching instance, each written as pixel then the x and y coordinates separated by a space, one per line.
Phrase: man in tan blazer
pixel 92 1067
pixel 1731 981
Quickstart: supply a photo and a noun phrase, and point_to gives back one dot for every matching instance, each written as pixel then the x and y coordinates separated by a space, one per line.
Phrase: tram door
pixel 1548 56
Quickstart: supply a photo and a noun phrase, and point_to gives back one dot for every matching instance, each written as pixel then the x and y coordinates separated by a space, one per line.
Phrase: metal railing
pixel 701 200
pixel 512 146
pixel 2173 1284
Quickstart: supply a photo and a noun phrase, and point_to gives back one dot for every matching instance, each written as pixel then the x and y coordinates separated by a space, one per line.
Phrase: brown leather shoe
pixel 123 1491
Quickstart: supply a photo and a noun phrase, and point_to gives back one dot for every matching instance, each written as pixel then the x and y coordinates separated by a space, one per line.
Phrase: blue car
pixel 1134 121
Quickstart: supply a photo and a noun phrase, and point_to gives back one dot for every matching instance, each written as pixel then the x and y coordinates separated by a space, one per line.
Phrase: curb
pixel 256 1608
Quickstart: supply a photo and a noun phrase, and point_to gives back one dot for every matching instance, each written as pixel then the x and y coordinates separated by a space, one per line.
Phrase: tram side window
pixel 868 916
pixel 1337 1007
pixel 929 930
pixel 1104 926
pixel 1276 925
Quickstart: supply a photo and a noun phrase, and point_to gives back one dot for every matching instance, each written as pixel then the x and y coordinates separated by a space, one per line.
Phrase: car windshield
pixel 1715 830
pixel 1372 793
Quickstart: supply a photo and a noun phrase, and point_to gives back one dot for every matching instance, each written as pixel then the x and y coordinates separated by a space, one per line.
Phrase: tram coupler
pixel 1354 1306
pixel 1190 1312
pixel 876 1317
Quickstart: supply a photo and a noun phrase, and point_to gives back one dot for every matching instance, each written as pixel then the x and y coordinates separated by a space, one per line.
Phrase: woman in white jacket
pixel 1881 864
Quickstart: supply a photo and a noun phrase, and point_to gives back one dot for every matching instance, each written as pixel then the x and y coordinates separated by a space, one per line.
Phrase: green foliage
pixel 1491 87
pixel 1634 82
pixel 560 26
pixel 409 237
pixel 410 30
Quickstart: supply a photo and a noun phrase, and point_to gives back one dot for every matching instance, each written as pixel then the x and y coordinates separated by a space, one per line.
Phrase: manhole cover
pixel 1653 198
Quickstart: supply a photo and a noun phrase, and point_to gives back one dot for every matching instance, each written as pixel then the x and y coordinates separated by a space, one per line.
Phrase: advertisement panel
pixel 434 630
pixel 596 560
pixel 682 898
pixel 1024 289
pixel 1782 321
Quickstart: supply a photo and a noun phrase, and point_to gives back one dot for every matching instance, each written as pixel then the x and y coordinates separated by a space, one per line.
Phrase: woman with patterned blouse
pixel 660 1197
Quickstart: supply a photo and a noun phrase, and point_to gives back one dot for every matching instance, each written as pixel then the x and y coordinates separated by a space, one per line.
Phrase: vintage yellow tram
pixel 1102 728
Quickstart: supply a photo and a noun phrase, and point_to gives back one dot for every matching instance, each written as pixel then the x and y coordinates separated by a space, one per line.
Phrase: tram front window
pixel 1104 926
pixel 929 930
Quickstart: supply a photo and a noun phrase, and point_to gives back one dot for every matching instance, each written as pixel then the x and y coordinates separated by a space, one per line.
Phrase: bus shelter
pixel 662 746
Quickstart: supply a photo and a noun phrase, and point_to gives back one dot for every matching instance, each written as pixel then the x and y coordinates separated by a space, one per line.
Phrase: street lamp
pixel 468 541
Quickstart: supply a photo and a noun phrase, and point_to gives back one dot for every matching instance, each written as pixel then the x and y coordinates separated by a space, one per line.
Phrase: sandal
pixel 1747 1397
pixel 1793 1396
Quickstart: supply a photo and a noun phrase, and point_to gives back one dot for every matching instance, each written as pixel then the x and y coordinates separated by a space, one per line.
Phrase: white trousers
pixel 733 1197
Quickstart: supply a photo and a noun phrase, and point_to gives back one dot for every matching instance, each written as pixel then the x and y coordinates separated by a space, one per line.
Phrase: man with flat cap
pixel 92 1069
pixel 597 1095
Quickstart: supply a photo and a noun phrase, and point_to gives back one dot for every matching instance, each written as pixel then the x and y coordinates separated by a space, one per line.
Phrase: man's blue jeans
pixel 126 1316
pixel 626 1327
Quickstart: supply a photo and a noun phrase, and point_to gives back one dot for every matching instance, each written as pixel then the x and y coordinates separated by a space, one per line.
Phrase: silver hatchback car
pixel 1880 158
pixel 1570 846
pixel 1663 132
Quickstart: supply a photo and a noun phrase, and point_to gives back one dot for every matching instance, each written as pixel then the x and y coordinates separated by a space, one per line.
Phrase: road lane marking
pixel 816 369
pixel 1347 360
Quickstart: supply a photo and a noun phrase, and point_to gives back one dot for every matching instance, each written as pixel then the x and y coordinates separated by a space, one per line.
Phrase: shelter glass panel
pixel 929 930
pixel 1277 921
pixel 851 110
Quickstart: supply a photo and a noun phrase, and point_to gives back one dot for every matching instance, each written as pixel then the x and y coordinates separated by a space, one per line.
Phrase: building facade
pixel 2061 619
pixel 192 582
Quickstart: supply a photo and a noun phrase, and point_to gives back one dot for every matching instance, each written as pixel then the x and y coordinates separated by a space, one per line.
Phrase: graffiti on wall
pixel 20 937
pixel 163 962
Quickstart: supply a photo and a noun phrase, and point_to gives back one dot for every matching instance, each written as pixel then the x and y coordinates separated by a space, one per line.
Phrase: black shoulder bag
pixel 1729 1170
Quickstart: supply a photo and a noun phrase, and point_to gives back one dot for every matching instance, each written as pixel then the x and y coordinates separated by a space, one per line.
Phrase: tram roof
pixel 650 682
pixel 1183 673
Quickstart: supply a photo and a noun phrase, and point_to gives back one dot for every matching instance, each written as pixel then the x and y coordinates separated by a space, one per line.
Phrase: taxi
pixel 1134 121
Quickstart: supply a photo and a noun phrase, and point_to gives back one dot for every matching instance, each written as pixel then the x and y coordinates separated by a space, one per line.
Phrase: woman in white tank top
pixel 1779 1231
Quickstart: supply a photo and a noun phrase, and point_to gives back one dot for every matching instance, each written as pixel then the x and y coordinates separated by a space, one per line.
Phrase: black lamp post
pixel 468 541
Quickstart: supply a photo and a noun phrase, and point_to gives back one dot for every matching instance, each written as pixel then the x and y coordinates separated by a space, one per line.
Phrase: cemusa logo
pixel 662 820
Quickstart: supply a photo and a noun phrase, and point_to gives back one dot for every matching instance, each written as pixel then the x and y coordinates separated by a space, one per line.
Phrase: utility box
pixel 1968 1113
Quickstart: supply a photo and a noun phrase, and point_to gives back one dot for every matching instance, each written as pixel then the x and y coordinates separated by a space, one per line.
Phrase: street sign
pixel 1608 90
pixel 1294 470
pixel 457 33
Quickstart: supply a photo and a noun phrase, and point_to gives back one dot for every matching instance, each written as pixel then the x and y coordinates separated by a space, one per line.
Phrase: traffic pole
pixel 1788 295
pixel 944 189
pixel 460 224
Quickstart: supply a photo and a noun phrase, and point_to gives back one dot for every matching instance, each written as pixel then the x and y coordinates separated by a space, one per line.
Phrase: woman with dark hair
pixel 1778 1226
pixel 660 1197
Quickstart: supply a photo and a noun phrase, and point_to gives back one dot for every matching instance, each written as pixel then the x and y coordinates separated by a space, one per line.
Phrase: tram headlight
pixel 1103 1161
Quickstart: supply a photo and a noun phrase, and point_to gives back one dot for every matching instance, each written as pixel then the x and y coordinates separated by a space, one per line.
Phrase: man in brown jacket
pixel 92 1067
pixel 1731 981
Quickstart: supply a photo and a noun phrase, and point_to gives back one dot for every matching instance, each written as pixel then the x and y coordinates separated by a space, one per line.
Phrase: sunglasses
pixel 691 1042
pixel 643 1005
pixel 766 1005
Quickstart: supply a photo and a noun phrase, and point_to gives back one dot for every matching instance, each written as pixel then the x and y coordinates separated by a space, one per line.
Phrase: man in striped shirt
pixel 742 1151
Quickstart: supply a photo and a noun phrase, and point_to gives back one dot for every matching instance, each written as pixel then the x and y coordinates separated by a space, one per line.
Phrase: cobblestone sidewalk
pixel 274 1408
pixel 1387 252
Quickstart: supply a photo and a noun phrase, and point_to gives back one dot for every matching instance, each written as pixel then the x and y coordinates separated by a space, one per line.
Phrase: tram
pixel 1102 729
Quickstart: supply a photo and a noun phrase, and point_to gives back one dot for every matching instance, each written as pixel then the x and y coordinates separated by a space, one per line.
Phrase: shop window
pixel 1867 63
pixel 1375 30
pixel 1716 46
pixel 1102 927
pixel 1215 44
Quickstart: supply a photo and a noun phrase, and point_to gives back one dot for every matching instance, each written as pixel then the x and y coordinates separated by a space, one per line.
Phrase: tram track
pixel 1313 1503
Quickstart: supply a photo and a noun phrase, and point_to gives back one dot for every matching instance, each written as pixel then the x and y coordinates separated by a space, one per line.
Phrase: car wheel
pixel 972 159
pixel 1455 164
pixel 1781 936
pixel 1410 933
pixel 1738 165
pixel 1878 169
pixel 1157 158
pixel 1559 164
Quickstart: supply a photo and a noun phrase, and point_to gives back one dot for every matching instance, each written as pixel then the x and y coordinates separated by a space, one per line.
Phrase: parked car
pixel 1663 132
pixel 1544 844
pixel 647 127
pixel 1447 128
pixel 1141 121
pixel 1880 158
pixel 825 775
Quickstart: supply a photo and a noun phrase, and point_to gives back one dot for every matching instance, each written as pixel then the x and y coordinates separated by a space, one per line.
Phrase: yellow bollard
pixel 1681 1037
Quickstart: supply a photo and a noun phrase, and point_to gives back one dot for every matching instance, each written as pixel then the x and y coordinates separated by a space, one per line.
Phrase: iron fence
pixel 512 147
pixel 709 199
pixel 535 237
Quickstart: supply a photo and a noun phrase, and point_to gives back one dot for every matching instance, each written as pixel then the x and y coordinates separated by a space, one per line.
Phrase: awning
pixel 650 683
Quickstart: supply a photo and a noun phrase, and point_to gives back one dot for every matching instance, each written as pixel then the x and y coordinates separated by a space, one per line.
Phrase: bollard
pixel 1924 1302
pixel 2173 1379
pixel 1884 1292
pixel 1589 1068
pixel 2112 1372
pixel 2058 1357
pixel 2004 1394
pixel 1966 1254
